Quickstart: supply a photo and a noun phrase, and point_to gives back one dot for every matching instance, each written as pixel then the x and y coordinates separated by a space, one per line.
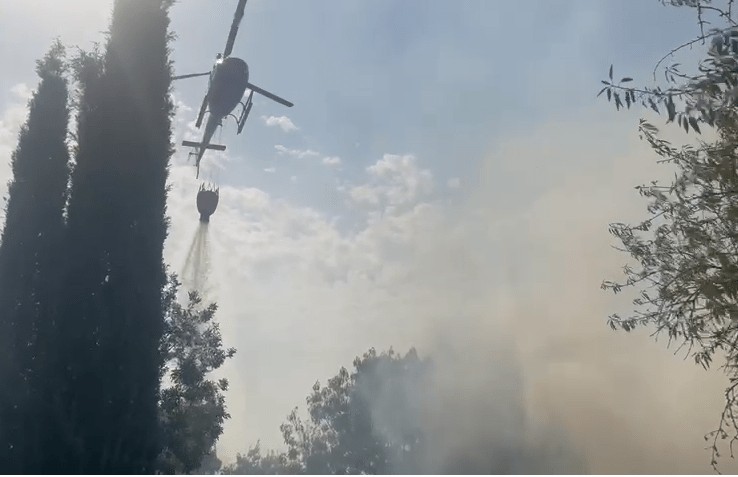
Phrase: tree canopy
pixel 30 266
pixel 112 314
pixel 102 369
pixel 686 250
pixel 388 416
pixel 192 406
pixel 342 434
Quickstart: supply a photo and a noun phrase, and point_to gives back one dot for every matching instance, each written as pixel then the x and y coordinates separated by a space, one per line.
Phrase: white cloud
pixel 365 194
pixel 281 121
pixel 11 121
pixel 453 183
pixel 270 169
pixel 298 153
pixel 332 161
pixel 183 125
pixel 293 179
pixel 22 91
pixel 394 180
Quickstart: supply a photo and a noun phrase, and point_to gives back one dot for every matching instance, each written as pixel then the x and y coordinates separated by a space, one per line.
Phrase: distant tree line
pixel 383 416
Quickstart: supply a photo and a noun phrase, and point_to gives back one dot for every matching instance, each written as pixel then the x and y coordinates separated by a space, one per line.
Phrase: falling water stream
pixel 197 264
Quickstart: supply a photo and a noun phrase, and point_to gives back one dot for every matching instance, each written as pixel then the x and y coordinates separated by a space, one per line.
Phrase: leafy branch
pixel 707 97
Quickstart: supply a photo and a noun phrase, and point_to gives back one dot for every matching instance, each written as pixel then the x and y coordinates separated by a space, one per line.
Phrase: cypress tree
pixel 113 310
pixel 30 265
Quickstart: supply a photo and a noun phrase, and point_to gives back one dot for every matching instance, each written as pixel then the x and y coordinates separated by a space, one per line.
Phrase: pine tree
pixel 113 314
pixel 29 265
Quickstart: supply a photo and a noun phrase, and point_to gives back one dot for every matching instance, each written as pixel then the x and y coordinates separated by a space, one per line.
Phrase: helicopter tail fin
pixel 215 147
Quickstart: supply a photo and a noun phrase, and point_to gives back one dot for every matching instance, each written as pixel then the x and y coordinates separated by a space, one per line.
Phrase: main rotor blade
pixel 269 95
pixel 234 28
pixel 193 75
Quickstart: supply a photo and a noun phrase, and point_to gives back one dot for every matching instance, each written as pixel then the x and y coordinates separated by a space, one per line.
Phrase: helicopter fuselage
pixel 228 83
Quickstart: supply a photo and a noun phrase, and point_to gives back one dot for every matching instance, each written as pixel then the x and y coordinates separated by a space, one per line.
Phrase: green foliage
pixel 708 95
pixel 256 463
pixel 344 433
pixel 112 321
pixel 87 328
pixel 686 250
pixel 30 267
pixel 192 408
pixel 53 64
pixel 687 3
pixel 393 414
pixel 210 464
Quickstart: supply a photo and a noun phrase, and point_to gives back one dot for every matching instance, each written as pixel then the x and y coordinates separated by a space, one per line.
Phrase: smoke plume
pixel 499 285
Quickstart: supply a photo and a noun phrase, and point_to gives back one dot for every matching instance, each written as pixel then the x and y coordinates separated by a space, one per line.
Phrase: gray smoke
pixel 529 376
pixel 469 409
pixel 500 288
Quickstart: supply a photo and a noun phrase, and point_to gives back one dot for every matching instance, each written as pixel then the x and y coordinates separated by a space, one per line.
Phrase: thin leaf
pixel 670 108
pixel 653 105
pixel 610 74
pixel 626 79
pixel 693 123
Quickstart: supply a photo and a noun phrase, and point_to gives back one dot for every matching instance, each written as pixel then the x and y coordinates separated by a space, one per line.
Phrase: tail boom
pixel 198 145
pixel 199 151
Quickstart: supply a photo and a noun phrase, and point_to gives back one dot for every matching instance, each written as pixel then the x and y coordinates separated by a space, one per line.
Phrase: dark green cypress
pixel 30 259
pixel 113 307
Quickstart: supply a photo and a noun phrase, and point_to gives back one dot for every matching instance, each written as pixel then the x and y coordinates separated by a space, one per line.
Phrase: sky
pixel 444 180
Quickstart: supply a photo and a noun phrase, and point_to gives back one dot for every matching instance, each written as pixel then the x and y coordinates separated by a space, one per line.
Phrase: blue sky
pixel 313 263
pixel 442 80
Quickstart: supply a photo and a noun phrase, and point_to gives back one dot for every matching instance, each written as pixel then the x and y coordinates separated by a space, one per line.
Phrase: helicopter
pixel 229 80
